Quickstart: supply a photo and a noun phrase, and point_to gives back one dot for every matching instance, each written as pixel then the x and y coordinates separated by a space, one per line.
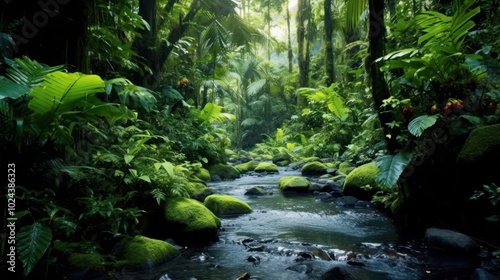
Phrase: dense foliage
pixel 150 92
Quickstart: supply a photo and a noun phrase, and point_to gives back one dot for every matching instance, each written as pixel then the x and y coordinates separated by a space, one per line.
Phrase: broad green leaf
pixel 32 242
pixel 10 89
pixel 419 124
pixel 61 92
pixel 391 167
pixel 145 178
pixel 128 158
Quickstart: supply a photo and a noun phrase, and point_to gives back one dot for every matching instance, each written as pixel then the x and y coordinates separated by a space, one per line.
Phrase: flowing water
pixel 298 237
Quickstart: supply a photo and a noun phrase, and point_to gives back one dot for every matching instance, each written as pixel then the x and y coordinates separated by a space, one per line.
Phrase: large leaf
pixel 391 167
pixel 418 125
pixel 129 93
pixel 212 112
pixel 61 92
pixel 10 89
pixel 32 242
pixel 27 72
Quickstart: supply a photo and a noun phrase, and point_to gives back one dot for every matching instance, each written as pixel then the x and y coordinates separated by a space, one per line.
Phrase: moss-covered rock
pixel 190 222
pixel 247 166
pixel 268 167
pixel 79 261
pixel 360 182
pixel 279 157
pixel 299 164
pixel 294 184
pixel 226 205
pixel 202 174
pixel 224 171
pixel 345 167
pixel 480 154
pixel 144 253
pixel 313 168
pixel 197 190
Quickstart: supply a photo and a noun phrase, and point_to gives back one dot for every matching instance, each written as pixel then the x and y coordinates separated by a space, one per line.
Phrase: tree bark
pixel 378 84
pixel 290 51
pixel 146 46
pixel 329 58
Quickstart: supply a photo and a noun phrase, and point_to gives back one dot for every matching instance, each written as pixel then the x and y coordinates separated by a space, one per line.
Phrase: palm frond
pixel 355 9
pixel 27 72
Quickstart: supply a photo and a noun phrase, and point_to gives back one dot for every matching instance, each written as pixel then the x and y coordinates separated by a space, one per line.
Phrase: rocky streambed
pixel 311 236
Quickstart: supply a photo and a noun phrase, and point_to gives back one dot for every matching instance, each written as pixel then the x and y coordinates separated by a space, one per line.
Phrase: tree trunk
pixel 302 41
pixel 329 63
pixel 290 51
pixel 376 77
pixel 146 46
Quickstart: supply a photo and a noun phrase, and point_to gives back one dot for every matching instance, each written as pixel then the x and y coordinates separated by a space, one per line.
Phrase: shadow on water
pixel 297 237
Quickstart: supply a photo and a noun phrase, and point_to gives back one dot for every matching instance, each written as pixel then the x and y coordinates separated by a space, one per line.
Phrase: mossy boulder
pixel 346 167
pixel 202 174
pixel 313 168
pixel 280 157
pixel 197 190
pixel 247 166
pixel 79 261
pixel 224 171
pixel 226 205
pixel 480 154
pixel 190 222
pixel 144 253
pixel 268 167
pixel 360 182
pixel 294 184
pixel 299 164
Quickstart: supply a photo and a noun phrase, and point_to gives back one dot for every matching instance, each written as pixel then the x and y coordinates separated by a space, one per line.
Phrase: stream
pixel 297 237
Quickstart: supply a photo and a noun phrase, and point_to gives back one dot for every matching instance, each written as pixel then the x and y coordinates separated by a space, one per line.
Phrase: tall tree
pixel 303 22
pixel 289 38
pixel 378 85
pixel 329 57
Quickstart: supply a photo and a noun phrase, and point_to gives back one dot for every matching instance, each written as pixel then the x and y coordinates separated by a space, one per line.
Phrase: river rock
pixel 144 253
pixel 481 274
pixel 267 167
pixel 226 205
pixel 301 268
pixel 313 168
pixel 294 184
pixel 337 273
pixel 450 241
pixel 189 222
pixel 255 191
pixel 225 172
pixel 357 180
pixel 347 201
pixel 247 166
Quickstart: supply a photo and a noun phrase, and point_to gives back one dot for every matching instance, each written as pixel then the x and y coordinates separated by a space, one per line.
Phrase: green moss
pixel 267 167
pixel 302 162
pixel 359 178
pixel 202 174
pixel 224 171
pixel 314 168
pixel 293 183
pixel 345 167
pixel 226 205
pixel 190 213
pixel 481 142
pixel 247 166
pixel 144 252
pixel 79 261
pixel 197 190
pixel 279 157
